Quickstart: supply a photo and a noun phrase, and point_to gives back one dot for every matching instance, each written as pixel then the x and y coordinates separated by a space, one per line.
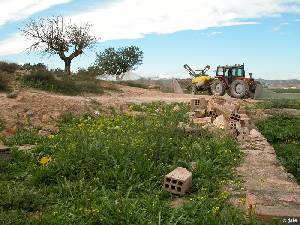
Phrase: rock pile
pixel 220 113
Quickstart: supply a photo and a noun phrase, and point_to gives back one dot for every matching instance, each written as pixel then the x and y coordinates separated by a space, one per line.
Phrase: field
pixel 283 132
pixel 110 170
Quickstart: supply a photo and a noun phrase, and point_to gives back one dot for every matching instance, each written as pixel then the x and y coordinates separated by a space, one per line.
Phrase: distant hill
pixel 280 83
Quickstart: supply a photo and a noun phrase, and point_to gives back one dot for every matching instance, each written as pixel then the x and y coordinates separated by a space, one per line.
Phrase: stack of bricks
pixel 178 182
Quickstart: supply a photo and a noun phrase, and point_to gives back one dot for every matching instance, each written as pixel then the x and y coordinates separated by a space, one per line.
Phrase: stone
pixel 220 122
pixel 202 121
pixel 250 201
pixel 178 182
pixel 200 113
pixel 12 94
pixel 254 134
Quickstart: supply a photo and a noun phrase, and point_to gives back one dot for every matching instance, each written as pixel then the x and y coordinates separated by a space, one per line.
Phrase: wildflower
pixel 215 210
pixel 45 160
pixel 50 136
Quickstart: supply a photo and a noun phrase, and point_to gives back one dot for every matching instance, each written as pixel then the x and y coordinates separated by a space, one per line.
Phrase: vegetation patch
pixel 284 133
pixel 110 170
pixel 279 104
pixel 4 82
pixel 47 81
pixel 289 90
pixel 132 84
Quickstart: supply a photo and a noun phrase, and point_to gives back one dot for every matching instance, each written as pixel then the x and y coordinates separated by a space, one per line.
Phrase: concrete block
pixel 199 113
pixel 199 103
pixel 178 182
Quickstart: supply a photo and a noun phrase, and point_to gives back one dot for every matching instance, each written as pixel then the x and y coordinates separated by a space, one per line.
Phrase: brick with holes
pixel 199 103
pixel 178 182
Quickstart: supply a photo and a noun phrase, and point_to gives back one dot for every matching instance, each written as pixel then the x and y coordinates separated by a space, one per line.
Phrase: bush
pixel 45 80
pixel 9 67
pixel 4 82
pixel 132 84
pixel 2 124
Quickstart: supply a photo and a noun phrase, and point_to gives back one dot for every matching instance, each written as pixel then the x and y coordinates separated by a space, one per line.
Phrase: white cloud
pixel 128 19
pixel 12 10
pixel 131 19
pixel 280 26
pixel 13 45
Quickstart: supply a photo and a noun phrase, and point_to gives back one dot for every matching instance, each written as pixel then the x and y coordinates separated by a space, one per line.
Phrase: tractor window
pixel 227 73
pixel 220 71
pixel 240 73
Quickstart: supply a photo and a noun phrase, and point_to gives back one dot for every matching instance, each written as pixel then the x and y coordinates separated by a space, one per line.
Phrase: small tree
pixel 55 37
pixel 118 62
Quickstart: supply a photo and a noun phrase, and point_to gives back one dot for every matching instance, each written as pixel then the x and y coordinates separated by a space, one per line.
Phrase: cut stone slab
pixel 269 190
pixel 178 182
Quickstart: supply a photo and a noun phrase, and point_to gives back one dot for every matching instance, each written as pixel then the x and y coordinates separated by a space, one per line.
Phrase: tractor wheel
pixel 239 89
pixel 217 88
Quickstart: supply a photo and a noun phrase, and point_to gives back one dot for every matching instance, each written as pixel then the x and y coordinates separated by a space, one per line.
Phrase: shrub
pixel 4 82
pixel 9 67
pixel 2 124
pixel 45 80
pixel 133 84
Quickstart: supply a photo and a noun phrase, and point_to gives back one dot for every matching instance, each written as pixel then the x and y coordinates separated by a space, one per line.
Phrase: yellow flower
pixel 45 160
pixel 51 136
pixel 215 210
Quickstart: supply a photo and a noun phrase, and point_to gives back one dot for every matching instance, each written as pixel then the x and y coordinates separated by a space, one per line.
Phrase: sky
pixel 263 34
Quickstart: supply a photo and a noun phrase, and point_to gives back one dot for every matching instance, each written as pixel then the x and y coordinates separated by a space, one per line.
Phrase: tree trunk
pixel 68 67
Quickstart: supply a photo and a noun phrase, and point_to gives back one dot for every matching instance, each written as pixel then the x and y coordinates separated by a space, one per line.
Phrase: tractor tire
pixel 239 89
pixel 217 88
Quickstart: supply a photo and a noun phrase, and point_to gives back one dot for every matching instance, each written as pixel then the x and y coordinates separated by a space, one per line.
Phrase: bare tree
pixel 55 36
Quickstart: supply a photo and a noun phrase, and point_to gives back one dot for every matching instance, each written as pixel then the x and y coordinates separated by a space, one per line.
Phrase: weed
pixel 280 104
pixel 110 170
pixel 284 133
pixel 4 82
pixel 47 81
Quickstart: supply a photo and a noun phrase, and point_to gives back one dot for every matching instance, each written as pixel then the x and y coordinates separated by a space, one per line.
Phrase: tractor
pixel 230 79
pixel 233 80
pixel 200 81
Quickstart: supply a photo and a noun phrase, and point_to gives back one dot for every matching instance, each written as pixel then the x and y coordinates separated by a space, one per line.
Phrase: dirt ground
pixel 42 109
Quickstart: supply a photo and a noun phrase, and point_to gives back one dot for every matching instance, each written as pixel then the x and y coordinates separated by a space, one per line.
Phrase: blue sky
pixel 263 34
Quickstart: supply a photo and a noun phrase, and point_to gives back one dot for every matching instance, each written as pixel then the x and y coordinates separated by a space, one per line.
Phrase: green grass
pixel 279 104
pixel 48 82
pixel 284 133
pixel 289 90
pixel 2 124
pixel 110 170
